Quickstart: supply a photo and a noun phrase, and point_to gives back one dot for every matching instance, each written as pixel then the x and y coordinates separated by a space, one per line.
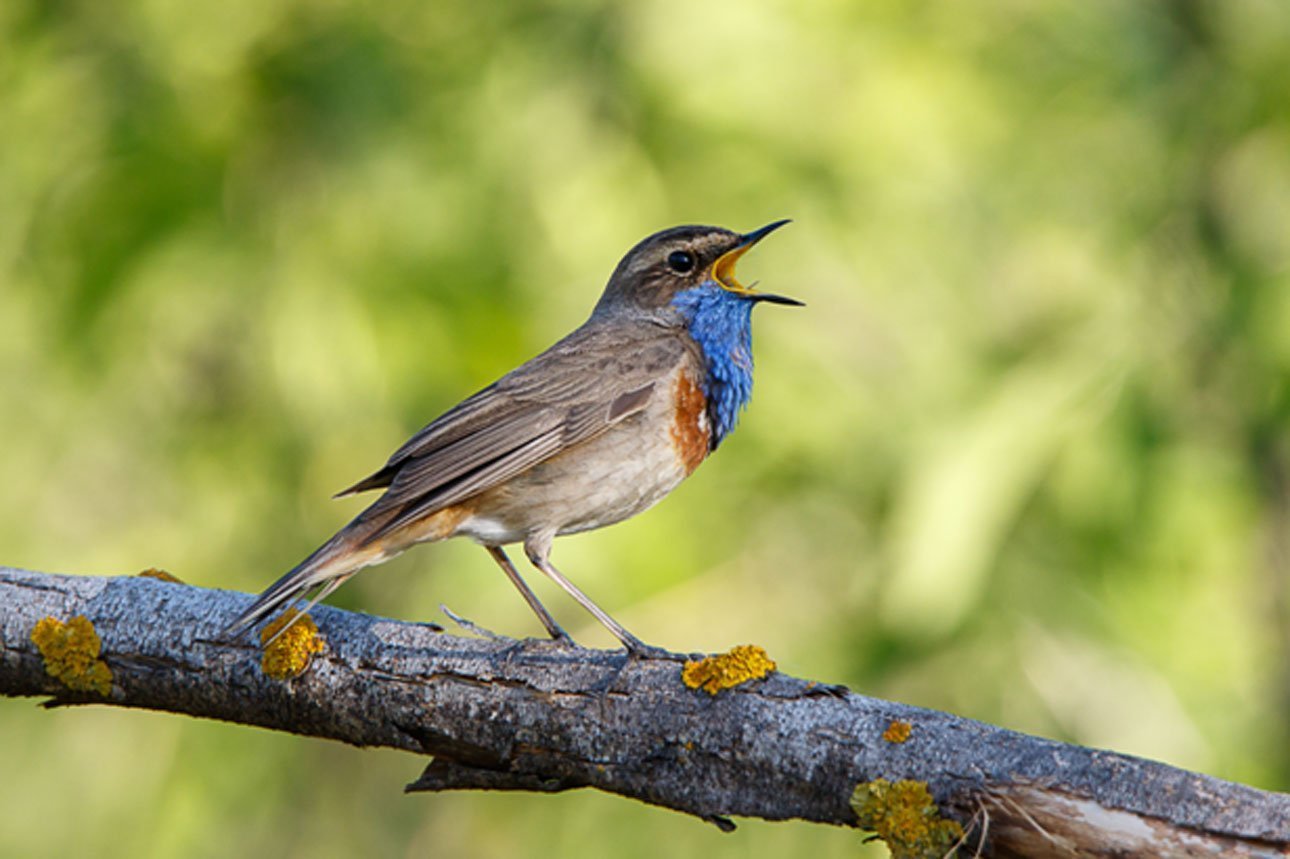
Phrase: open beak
pixel 723 270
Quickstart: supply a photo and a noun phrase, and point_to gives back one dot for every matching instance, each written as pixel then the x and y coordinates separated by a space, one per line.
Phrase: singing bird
pixel 594 430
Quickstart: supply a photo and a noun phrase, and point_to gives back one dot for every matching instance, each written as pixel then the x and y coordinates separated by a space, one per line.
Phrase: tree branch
pixel 500 714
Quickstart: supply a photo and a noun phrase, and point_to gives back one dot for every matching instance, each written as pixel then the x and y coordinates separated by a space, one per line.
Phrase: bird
pixel 598 428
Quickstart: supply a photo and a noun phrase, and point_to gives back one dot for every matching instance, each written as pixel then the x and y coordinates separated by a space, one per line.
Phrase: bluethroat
pixel 594 430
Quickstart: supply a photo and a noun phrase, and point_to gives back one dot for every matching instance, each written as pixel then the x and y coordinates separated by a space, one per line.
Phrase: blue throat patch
pixel 721 323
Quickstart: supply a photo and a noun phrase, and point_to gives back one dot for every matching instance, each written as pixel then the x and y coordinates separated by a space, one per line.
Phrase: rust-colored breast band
pixel 690 426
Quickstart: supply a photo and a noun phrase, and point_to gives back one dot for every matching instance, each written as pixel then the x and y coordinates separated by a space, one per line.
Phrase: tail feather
pixel 321 594
pixel 326 568
pixel 373 536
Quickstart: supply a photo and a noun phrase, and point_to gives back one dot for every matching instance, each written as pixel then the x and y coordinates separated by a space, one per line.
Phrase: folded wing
pixel 569 394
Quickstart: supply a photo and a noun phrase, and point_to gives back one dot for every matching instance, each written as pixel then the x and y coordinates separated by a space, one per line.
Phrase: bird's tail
pixel 325 570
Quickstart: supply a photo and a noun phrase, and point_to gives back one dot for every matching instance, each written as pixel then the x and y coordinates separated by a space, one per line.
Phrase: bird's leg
pixel 553 629
pixel 537 551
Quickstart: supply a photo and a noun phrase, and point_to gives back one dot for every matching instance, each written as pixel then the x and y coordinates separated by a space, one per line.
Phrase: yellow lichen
pixel 897 731
pixel 158 573
pixel 71 652
pixel 727 670
pixel 904 815
pixel 289 654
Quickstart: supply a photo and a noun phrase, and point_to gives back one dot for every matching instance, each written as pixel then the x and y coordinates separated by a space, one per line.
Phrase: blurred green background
pixel 1024 456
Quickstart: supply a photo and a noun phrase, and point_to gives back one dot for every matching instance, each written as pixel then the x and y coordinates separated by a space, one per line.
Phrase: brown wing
pixel 569 394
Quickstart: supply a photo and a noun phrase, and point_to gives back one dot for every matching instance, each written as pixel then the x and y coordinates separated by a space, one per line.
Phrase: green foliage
pixel 1023 456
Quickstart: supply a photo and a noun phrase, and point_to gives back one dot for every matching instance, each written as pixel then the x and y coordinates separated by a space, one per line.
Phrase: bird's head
pixel 681 258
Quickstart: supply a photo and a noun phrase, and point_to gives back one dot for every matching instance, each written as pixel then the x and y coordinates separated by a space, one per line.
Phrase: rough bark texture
pixel 508 715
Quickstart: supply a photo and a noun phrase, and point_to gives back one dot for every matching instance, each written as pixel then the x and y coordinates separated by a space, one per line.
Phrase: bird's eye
pixel 680 261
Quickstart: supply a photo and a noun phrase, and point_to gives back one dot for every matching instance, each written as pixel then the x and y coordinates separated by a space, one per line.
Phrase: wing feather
pixel 513 462
pixel 445 464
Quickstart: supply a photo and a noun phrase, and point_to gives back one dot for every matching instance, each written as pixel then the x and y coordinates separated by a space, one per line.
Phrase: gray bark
pixel 501 714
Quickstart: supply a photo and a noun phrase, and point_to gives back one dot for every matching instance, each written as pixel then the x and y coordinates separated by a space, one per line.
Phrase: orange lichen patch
pixel 71 652
pixel 289 654
pixel 727 670
pixel 158 573
pixel 689 431
pixel 905 816
pixel 897 731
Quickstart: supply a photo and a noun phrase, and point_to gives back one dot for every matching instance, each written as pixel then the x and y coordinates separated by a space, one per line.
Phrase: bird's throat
pixel 721 323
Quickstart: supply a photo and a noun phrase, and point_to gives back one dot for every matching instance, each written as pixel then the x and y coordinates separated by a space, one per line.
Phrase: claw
pixel 564 639
pixel 637 649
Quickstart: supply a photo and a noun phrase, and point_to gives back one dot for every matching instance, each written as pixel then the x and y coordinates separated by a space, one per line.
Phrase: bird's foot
pixel 563 639
pixel 637 649
pixel 472 627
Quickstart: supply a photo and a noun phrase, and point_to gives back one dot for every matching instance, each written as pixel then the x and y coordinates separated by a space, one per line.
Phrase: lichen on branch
pixel 727 670
pixel 287 653
pixel 904 815
pixel 71 653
